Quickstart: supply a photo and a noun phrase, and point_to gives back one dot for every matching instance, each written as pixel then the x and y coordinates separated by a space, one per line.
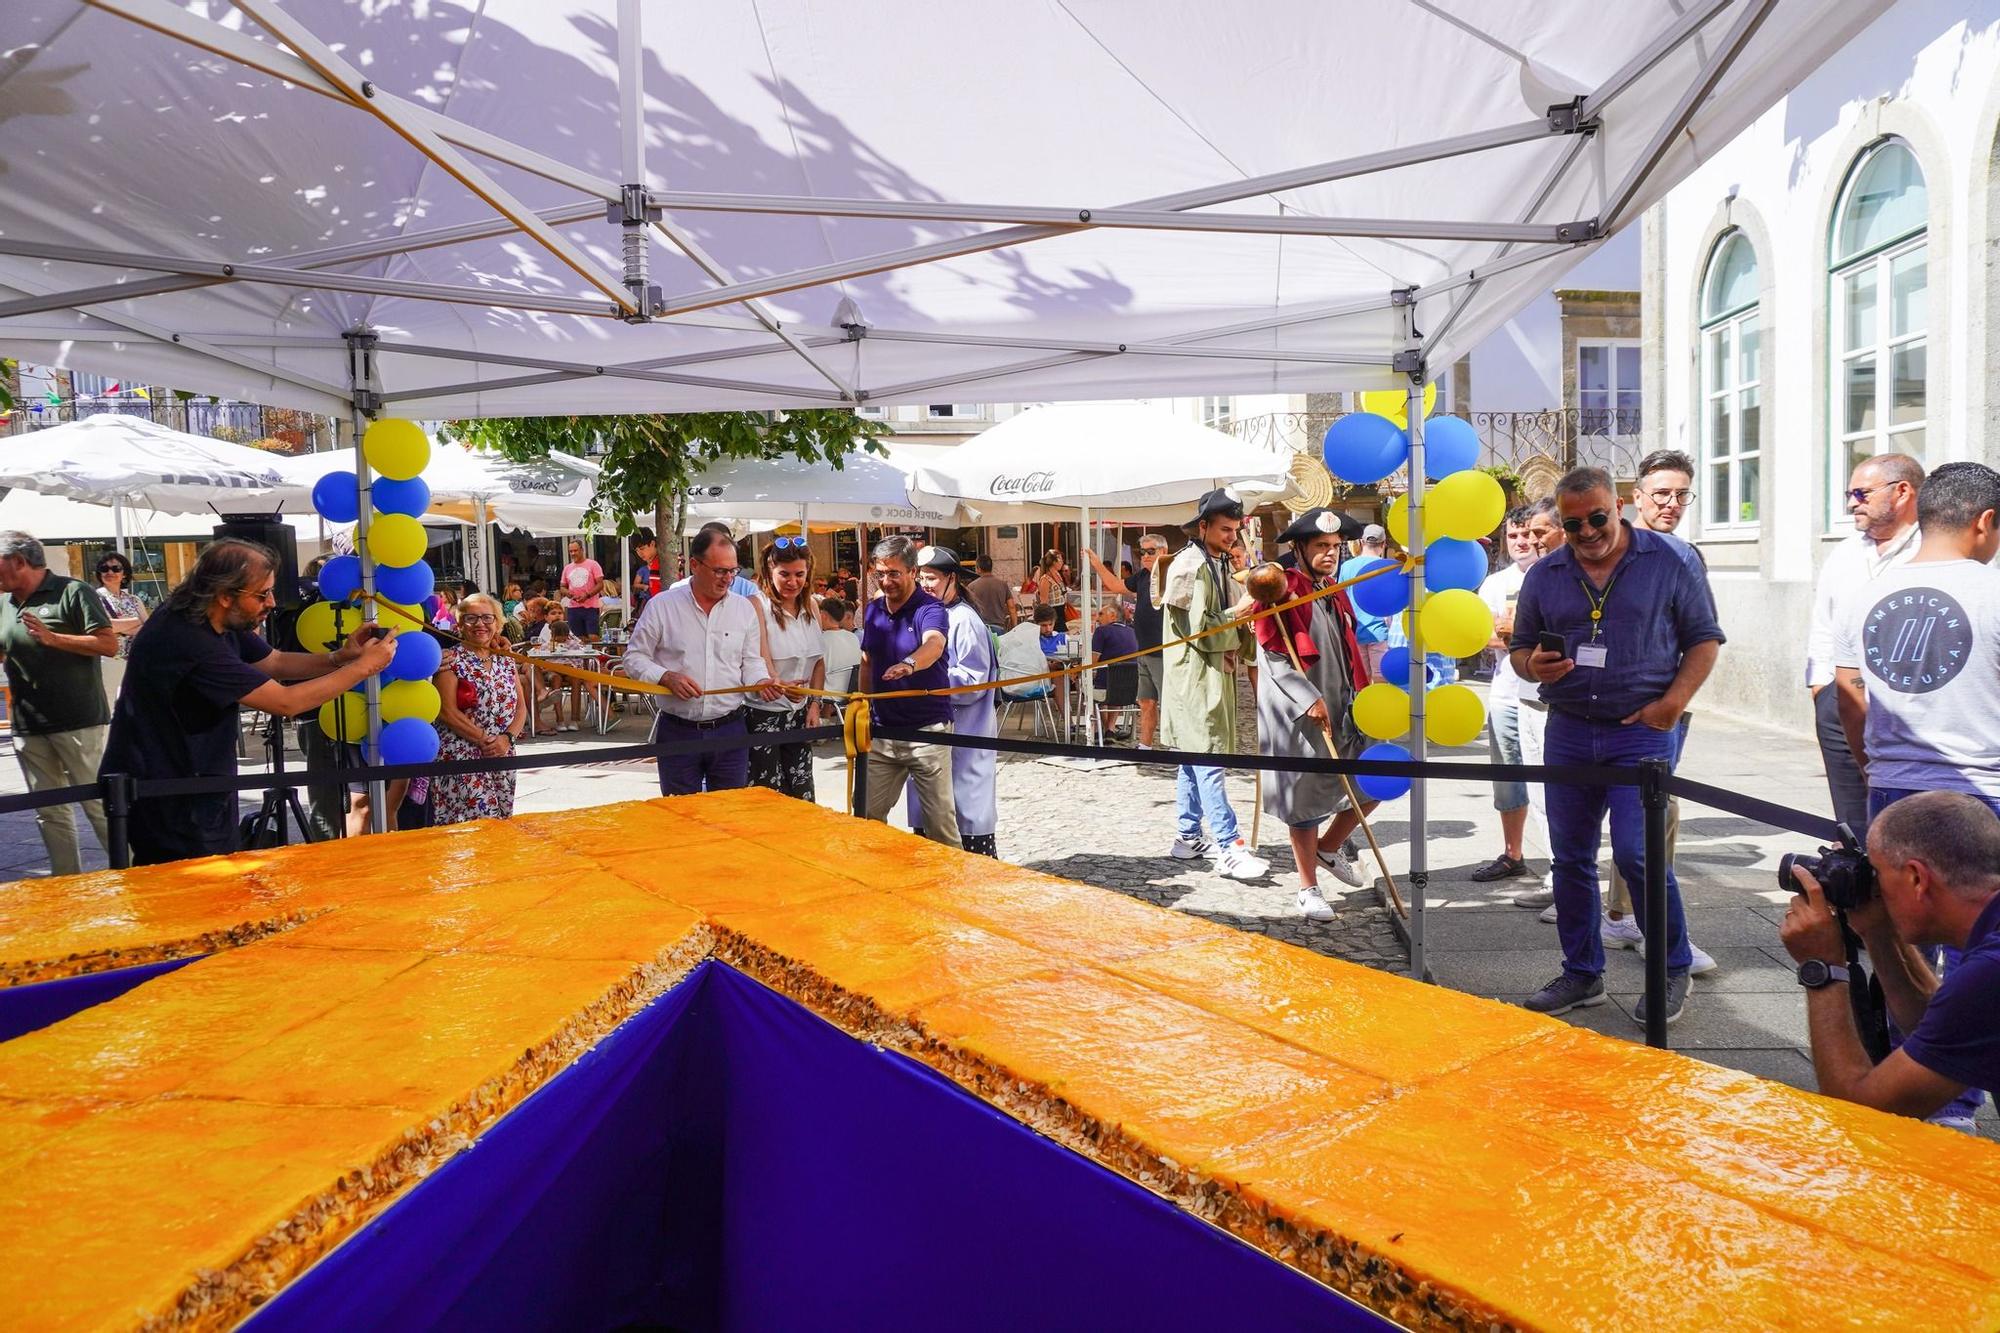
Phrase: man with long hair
pixel 193 663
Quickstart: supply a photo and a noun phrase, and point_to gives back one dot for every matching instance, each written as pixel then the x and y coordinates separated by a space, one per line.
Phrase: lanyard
pixel 1596 603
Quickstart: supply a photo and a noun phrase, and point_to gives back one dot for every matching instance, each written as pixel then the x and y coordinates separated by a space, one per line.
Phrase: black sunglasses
pixel 113 569
pixel 1598 518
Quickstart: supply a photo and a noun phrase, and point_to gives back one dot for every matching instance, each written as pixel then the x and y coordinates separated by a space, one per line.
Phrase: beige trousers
pixel 928 767
pixel 1619 902
pixel 64 759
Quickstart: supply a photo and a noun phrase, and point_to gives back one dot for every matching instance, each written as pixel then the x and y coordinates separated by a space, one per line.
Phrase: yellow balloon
pixel 1382 711
pixel 1453 715
pixel 410 698
pixel 1467 505
pixel 1398 521
pixel 397 539
pixel 315 626
pixel 397 450
pixel 350 711
pixel 1395 403
pixel 410 619
pixel 1456 623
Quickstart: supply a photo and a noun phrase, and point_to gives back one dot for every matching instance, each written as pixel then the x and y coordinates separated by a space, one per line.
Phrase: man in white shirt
pixel 1503 699
pixel 840 647
pixel 695 638
pixel 1882 498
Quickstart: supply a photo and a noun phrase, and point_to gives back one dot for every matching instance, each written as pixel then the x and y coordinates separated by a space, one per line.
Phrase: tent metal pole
pixel 1655 51
pixel 1670 130
pixel 118 537
pixel 1419 791
pixel 359 347
pixel 1087 682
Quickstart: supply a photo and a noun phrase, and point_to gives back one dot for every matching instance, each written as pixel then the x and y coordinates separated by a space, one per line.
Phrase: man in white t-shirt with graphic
pixel 1917 656
pixel 1503 699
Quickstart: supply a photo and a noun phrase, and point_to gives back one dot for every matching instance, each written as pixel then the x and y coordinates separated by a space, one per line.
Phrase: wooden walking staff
pixel 1266 584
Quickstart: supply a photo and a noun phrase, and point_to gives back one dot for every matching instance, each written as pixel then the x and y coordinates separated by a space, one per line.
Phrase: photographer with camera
pixel 1931 877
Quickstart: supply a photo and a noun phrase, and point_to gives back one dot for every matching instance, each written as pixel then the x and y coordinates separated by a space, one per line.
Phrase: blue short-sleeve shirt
pixel 1958 1038
pixel 887 637
pixel 1656 605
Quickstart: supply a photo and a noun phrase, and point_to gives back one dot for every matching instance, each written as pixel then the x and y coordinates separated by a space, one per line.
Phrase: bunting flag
pixel 53 399
pixel 141 391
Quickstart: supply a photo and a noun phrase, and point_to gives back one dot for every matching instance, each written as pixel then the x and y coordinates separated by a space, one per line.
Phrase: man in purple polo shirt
pixel 902 648
pixel 1636 620
pixel 1937 871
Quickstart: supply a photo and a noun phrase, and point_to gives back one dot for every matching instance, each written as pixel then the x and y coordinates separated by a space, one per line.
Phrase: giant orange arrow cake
pixel 366 1010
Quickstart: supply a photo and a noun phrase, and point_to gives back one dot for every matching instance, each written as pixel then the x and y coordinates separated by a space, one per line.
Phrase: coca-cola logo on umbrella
pixel 1033 483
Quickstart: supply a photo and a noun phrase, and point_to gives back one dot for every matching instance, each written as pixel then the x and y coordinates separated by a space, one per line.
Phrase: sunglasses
pixel 113 569
pixel 1860 494
pixel 788 543
pixel 1598 519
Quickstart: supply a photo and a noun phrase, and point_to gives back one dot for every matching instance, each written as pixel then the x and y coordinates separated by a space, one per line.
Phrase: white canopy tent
pixel 552 206
pixel 133 463
pixel 865 488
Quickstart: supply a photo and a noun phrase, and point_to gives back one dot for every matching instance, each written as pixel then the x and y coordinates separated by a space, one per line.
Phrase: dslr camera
pixel 1844 873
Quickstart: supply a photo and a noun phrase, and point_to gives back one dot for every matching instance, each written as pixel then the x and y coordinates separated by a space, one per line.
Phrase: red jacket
pixel 1296 624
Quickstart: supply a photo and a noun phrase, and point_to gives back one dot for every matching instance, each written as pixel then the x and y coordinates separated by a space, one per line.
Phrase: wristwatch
pixel 911 661
pixel 1813 974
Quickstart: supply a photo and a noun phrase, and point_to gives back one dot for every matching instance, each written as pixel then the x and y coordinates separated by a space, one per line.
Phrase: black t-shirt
pixel 176 718
pixel 1146 614
pixel 54 689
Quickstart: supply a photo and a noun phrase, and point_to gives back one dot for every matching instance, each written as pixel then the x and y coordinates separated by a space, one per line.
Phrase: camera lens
pixel 1786 881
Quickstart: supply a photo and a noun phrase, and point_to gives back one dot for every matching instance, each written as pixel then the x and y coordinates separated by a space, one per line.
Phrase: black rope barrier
pixel 47 796
pixel 1750 807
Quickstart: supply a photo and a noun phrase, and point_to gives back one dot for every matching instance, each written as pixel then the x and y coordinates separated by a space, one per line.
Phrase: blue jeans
pixel 1575 817
pixel 1959 1111
pixel 1199 798
pixel 718 770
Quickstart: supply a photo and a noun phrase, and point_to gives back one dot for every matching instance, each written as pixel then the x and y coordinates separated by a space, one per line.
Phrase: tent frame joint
pixel 1569 118
pixel 1410 362
pixel 1581 231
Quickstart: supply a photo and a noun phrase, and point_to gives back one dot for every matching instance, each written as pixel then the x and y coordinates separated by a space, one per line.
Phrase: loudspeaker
pixel 268 531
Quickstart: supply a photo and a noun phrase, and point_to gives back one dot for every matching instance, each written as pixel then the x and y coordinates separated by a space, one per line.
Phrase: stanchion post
pixel 1653 796
pixel 118 819
pixel 859 761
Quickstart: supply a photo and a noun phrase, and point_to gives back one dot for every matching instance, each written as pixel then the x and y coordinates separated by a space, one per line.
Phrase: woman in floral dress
pixel 480 716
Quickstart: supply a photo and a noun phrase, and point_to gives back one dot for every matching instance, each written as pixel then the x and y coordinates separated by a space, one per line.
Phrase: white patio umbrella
pixel 130 461
pixel 865 488
pixel 1126 461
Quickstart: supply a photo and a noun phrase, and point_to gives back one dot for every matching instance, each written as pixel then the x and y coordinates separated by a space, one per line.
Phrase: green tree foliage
pixel 649 461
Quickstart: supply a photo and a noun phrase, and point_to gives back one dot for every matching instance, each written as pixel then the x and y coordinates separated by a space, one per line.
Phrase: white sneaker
pixel 1548 916
pixel 1198 850
pixel 1313 907
pixel 1623 933
pixel 1702 965
pixel 1237 862
pixel 1343 869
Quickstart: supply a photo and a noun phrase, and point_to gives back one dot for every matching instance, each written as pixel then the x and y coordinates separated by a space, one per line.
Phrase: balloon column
pixel 1462 506
pixel 397 452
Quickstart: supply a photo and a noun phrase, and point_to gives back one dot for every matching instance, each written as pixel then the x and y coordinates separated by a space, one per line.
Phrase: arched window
pixel 1880 284
pixel 1732 379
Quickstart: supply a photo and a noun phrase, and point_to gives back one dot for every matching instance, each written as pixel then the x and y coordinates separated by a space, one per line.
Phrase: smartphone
pixel 1551 642
pixel 369 633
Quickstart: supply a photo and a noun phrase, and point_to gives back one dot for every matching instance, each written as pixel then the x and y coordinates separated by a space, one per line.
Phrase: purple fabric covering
pixel 727 1160
pixel 25 1008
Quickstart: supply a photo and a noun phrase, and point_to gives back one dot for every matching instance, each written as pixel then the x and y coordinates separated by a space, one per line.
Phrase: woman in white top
pixel 793 645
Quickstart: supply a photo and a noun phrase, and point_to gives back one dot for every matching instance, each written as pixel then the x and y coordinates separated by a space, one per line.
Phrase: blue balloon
pixel 1361 448
pixel 1450 563
pixel 409 740
pixel 417 657
pixel 1450 445
pixel 1396 668
pixel 340 578
pixel 412 497
pixel 1374 786
pixel 406 585
pixel 335 498
pixel 1384 595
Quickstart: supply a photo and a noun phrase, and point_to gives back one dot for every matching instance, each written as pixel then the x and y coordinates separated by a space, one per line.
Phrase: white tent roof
pixel 1120 460
pixel 1057 199
pixel 546 495
pixel 111 459
pixel 864 489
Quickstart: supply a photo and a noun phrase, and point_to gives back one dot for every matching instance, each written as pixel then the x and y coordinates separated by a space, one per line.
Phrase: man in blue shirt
pixel 1937 868
pixel 1639 634
pixel 903 638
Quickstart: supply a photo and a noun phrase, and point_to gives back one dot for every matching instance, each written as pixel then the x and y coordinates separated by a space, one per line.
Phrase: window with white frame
pixel 1732 380
pixel 953 411
pixel 1216 413
pixel 1607 386
pixel 870 412
pixel 1879 274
